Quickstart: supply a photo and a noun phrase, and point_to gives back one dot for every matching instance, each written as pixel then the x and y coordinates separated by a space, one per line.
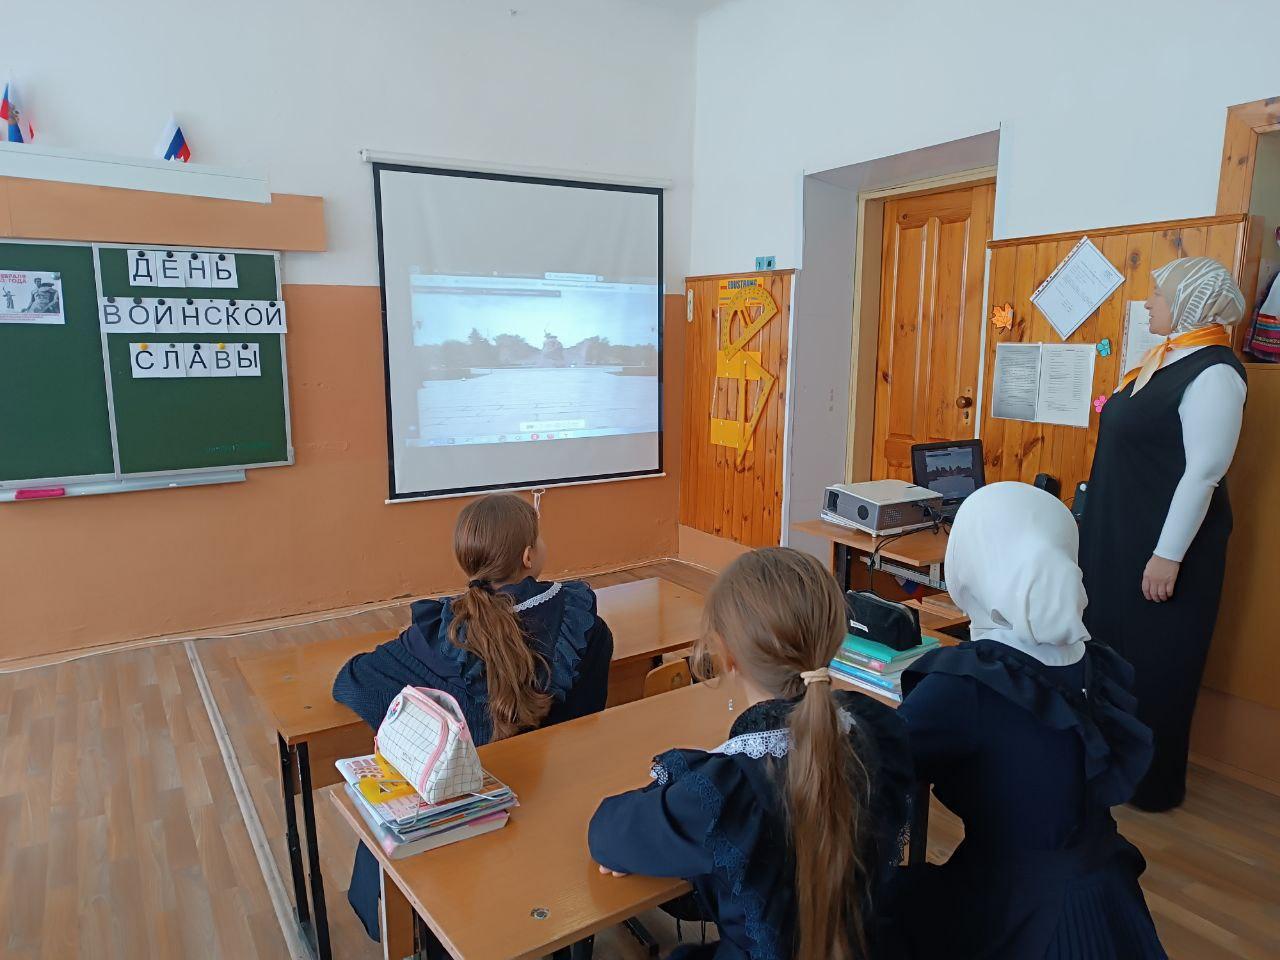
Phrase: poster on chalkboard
pixel 27 296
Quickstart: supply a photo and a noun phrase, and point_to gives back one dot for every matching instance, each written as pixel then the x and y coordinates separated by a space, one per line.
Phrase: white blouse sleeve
pixel 1211 410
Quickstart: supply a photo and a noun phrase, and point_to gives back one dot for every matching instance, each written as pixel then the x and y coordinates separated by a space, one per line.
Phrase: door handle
pixel 964 403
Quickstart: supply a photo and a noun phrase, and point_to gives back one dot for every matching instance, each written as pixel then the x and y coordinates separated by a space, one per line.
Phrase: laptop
pixel 951 469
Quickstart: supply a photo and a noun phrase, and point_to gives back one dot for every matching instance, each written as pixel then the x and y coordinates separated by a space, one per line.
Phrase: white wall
pixel 297 87
pixel 1109 113
pixel 821 350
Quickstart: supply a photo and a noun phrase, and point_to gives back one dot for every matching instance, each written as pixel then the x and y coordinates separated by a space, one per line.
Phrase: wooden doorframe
pixel 1245 123
pixel 860 437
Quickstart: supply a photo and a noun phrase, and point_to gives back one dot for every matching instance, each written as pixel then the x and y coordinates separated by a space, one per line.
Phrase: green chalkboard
pixel 54 421
pixel 69 413
pixel 196 424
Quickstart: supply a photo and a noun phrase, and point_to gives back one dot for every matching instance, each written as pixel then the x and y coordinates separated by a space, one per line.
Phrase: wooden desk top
pixel 296 685
pixel 919 549
pixel 650 617
pixel 477 895
pixel 647 617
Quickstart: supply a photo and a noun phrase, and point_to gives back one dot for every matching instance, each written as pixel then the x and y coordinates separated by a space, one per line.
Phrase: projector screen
pixel 522 322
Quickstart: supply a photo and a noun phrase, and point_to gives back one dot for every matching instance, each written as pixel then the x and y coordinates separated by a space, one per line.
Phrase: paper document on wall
pixel 1066 382
pixel 1043 383
pixel 1138 338
pixel 1076 288
pixel 1016 389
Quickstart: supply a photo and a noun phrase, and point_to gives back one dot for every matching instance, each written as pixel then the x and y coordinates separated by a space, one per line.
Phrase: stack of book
pixel 875 667
pixel 403 823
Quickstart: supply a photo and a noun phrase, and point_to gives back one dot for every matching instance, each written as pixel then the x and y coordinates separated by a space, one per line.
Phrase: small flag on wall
pixel 18 128
pixel 173 144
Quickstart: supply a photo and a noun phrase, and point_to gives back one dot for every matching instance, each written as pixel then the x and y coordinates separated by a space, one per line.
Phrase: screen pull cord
pixel 537 500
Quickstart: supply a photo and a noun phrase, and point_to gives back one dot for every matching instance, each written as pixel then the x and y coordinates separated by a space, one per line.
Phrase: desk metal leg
pixel 843 561
pixel 291 839
pixel 323 950
pixel 642 935
pixel 919 826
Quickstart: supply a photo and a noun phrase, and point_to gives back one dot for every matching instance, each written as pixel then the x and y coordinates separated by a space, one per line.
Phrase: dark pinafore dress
pixel 1031 758
pixel 1137 465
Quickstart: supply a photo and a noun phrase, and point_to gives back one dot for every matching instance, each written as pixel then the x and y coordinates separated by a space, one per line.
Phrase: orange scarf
pixel 1213 335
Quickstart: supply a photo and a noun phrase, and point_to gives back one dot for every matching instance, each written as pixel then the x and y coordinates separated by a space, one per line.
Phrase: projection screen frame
pixel 393 496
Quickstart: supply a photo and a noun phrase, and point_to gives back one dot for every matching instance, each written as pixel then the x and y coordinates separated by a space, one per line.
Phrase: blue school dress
pixel 560 622
pixel 1031 758
pixel 717 819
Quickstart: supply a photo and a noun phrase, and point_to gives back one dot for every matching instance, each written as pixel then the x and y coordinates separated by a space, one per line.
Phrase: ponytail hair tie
pixel 821 675
pixel 484 585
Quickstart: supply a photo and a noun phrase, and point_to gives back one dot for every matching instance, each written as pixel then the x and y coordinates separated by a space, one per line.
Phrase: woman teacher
pixel 1153 541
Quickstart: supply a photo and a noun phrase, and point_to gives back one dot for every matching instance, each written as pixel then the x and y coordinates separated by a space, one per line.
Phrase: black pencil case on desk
pixel 895 625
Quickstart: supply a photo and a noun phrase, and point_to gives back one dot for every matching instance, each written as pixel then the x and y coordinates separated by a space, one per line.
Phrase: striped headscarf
pixel 1200 292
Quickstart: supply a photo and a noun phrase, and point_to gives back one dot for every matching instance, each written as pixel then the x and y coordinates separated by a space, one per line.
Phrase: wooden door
pixel 932 263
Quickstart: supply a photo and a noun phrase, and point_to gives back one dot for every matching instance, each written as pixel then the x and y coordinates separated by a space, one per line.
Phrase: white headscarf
pixel 1012 567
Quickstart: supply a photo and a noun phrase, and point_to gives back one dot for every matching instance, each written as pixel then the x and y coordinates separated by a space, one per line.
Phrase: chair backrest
pixel 669 676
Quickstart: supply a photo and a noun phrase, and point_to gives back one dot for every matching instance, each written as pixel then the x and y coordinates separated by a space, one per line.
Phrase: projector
pixel 881 507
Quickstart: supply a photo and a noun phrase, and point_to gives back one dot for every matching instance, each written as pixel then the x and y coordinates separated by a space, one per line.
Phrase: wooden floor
pixel 120 834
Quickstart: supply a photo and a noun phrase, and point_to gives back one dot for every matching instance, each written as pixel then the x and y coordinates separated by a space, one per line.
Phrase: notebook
pixel 397 847
pixel 878 651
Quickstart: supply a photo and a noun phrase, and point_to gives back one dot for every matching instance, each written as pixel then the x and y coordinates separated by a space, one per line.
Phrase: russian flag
pixel 18 129
pixel 173 145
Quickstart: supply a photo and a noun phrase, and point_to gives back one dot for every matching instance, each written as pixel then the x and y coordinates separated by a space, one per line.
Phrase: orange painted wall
pixel 313 536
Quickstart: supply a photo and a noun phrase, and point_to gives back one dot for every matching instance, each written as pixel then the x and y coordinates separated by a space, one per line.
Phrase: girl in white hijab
pixel 1011 566
pixel 1027 733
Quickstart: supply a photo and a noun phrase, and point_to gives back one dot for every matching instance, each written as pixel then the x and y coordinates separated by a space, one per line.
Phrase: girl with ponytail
pixel 788 831
pixel 516 652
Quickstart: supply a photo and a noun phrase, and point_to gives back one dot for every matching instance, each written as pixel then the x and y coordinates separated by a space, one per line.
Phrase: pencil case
pixel 424 736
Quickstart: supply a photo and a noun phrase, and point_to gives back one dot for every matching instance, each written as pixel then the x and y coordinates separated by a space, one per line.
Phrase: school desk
pixel 531 888
pixel 648 618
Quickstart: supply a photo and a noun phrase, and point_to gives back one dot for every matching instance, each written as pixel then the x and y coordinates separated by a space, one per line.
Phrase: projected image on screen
pixel 511 359
pixel 522 329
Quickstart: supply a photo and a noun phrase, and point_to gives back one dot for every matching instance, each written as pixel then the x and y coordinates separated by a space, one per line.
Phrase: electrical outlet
pixel 766 263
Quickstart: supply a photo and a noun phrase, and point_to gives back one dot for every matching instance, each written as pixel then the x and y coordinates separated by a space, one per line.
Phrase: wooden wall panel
pixel 1016 450
pixel 1245 660
pixel 716 496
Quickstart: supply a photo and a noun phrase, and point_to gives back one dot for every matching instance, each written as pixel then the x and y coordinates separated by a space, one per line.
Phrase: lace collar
pixel 775 742
pixel 537 599
pixel 757 744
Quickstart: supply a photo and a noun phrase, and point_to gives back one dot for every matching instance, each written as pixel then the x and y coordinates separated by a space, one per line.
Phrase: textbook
pixel 882 686
pixel 397 846
pixel 408 815
pixel 860 646
pixel 879 666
